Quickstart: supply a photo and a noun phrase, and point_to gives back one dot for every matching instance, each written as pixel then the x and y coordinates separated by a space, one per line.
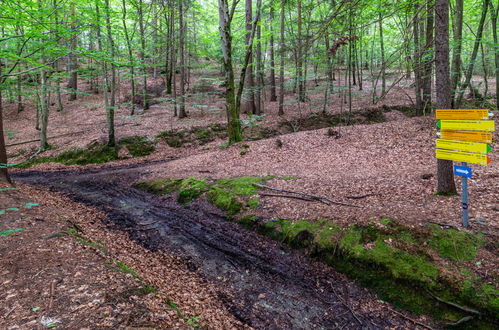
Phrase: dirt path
pixel 262 283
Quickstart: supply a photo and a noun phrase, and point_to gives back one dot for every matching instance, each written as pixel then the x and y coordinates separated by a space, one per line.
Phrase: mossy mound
pixel 137 146
pixel 200 135
pixel 396 261
pixel 232 195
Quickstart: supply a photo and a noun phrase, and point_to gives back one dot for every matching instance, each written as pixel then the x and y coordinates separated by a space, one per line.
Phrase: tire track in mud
pixel 262 282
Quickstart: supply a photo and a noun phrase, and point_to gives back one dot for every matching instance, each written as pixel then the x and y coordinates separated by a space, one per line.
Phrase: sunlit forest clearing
pixel 248 164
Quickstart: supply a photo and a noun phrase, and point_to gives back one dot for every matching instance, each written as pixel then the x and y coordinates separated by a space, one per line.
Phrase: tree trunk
pixel 281 64
pixel 445 175
pixel 182 113
pixel 44 114
pixel 140 11
pixel 4 173
pixel 456 53
pixel 494 12
pixel 112 100
pixel 259 72
pixel 273 93
pixel 130 59
pixel 417 61
pixel 299 57
pixel 248 104
pixel 428 59
pixel 73 61
pixel 478 40
pixel 383 64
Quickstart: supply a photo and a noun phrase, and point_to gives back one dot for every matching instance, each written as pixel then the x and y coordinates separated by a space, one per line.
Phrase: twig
pixel 360 196
pixel 321 199
pixel 442 224
pixel 287 196
pixel 50 137
pixel 463 308
pixel 347 306
pixel 8 313
pixel 412 320
pixel 52 289
pixel 464 319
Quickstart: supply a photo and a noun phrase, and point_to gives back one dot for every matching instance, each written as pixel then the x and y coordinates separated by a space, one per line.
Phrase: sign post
pixel 463 136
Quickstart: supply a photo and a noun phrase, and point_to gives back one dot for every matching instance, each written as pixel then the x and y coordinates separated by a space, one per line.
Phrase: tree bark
pixel 445 175
pixel 428 59
pixel 299 57
pixel 112 100
pixel 281 66
pixel 417 61
pixel 182 113
pixel 73 61
pixel 140 11
pixel 4 173
pixel 248 103
pixel 456 53
pixel 494 13
pixel 273 93
pixel 130 58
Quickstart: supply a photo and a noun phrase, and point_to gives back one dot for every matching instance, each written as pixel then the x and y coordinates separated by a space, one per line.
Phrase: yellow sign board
pixel 482 148
pixel 483 137
pixel 463 114
pixel 471 125
pixel 462 157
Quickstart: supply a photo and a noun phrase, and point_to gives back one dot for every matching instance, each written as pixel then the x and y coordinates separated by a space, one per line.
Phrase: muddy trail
pixel 262 282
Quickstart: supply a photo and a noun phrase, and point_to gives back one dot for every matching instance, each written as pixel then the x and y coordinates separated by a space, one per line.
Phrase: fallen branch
pixel 287 196
pixel 443 224
pixel 464 319
pixel 36 140
pixel 463 308
pixel 347 306
pixel 321 199
pixel 360 196
pixel 8 313
pixel 412 320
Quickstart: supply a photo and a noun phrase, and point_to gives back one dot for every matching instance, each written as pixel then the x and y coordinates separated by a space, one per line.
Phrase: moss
pixel 159 187
pixel 224 200
pixel 242 186
pixel 138 146
pixel 455 244
pixel 97 153
pixel 288 178
pixel 248 221
pixel 191 188
pixel 253 203
pixel 350 242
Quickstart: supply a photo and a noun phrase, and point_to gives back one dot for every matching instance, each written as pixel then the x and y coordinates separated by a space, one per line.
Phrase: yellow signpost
pixel 481 148
pixel 464 114
pixel 483 137
pixel 463 136
pixel 466 157
pixel 470 125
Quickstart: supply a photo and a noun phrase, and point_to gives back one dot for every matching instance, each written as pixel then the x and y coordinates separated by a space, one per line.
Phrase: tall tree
pixel 248 102
pixel 142 32
pixel 474 54
pixel 458 46
pixel 494 13
pixel 4 173
pixel 273 94
pixel 282 49
pixel 182 113
pixel 131 62
pixel 111 141
pixel 445 174
pixel 73 60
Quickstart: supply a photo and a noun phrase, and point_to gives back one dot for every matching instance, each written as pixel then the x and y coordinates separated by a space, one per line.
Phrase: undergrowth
pixel 137 146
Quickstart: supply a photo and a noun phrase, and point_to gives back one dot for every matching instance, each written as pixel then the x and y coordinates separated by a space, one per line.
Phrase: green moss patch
pixel 137 146
pixel 201 135
pixel 232 195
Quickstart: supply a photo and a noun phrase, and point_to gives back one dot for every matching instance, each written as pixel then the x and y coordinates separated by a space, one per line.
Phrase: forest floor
pixel 385 168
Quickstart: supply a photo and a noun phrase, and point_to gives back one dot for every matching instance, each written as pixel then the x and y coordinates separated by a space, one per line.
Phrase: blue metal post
pixel 465 199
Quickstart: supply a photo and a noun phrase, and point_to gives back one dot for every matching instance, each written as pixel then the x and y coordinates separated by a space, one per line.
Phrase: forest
pixel 249 164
